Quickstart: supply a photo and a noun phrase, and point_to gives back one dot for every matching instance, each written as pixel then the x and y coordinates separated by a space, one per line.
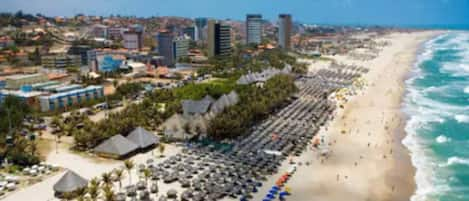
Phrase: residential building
pixel 133 40
pixel 16 81
pixel 80 50
pixel 116 33
pixel 253 29
pixel 99 31
pixel 219 39
pixel 200 27
pixel 30 97
pixel 6 41
pixel 180 48
pixel 284 31
pixel 165 47
pixel 69 98
pixel 61 61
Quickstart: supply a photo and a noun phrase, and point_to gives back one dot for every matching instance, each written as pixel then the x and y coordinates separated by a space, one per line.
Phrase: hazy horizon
pixel 416 13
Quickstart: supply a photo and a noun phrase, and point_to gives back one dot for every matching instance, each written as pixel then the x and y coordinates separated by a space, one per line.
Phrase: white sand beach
pixel 368 162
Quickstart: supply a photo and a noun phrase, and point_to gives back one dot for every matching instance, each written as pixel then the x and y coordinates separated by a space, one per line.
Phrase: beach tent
pixel 116 147
pixel 70 182
pixel 143 138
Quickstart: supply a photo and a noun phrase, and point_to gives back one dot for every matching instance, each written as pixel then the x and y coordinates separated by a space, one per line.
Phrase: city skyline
pixel 347 12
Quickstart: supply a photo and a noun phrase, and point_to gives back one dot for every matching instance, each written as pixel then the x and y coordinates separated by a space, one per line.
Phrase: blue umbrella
pixel 275 187
pixel 254 190
pixel 271 196
pixel 283 193
pixel 273 192
pixel 266 199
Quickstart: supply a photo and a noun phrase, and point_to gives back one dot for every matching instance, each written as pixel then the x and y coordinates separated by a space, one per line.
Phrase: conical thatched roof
pixel 142 138
pixel 116 145
pixel 70 182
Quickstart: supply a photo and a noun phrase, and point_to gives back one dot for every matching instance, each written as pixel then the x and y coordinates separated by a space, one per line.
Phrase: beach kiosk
pixel 142 138
pixel 116 147
pixel 70 182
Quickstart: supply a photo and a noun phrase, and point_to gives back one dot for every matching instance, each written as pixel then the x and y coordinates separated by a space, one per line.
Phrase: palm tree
pixel 93 189
pixel 147 174
pixel 81 194
pixel 106 178
pixel 68 196
pixel 108 194
pixel 119 175
pixel 129 164
pixel 161 148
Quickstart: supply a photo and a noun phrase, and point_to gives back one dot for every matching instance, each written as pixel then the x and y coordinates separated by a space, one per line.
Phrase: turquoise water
pixel 437 106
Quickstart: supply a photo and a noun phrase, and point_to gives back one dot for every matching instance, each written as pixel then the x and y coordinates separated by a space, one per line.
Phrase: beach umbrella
pixel 141 185
pixel 154 188
pixel 172 193
pixel 271 196
pixel 120 197
pixel 162 198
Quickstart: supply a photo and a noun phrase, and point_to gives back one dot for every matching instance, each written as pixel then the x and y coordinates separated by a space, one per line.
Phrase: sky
pixel 364 12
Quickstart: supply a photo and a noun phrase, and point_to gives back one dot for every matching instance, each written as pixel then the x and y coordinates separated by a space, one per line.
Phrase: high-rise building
pixel 200 25
pixel 165 47
pixel 80 50
pixel 219 39
pixel 284 31
pixel 180 48
pixel 133 40
pixel 253 29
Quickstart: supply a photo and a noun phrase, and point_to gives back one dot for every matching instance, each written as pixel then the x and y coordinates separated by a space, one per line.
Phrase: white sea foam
pixel 466 90
pixel 462 118
pixel 457 161
pixel 456 69
pixel 442 139
pixel 421 112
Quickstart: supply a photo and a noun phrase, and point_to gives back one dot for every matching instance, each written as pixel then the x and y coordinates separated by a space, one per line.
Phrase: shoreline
pixel 368 161
pixel 403 158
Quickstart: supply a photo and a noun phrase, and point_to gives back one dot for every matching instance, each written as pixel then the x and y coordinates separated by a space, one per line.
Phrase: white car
pixel 11 186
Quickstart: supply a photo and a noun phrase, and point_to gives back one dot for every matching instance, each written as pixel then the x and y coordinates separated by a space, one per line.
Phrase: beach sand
pixel 368 162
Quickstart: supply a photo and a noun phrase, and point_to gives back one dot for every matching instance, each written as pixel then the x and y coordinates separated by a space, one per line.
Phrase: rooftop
pixel 22 76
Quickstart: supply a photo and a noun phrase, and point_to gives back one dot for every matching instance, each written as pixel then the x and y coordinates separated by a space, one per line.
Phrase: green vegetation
pixel 127 90
pixel 148 113
pixel 255 104
pixel 15 142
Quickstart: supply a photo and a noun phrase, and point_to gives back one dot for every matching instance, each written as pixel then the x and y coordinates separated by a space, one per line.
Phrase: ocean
pixel 436 104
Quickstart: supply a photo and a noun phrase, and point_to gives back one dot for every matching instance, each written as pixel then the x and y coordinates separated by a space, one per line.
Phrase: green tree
pixel 129 165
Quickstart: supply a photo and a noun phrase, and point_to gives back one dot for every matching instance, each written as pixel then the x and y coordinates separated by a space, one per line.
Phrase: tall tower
pixel 284 31
pixel 219 39
pixel 253 29
pixel 200 24
pixel 165 47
